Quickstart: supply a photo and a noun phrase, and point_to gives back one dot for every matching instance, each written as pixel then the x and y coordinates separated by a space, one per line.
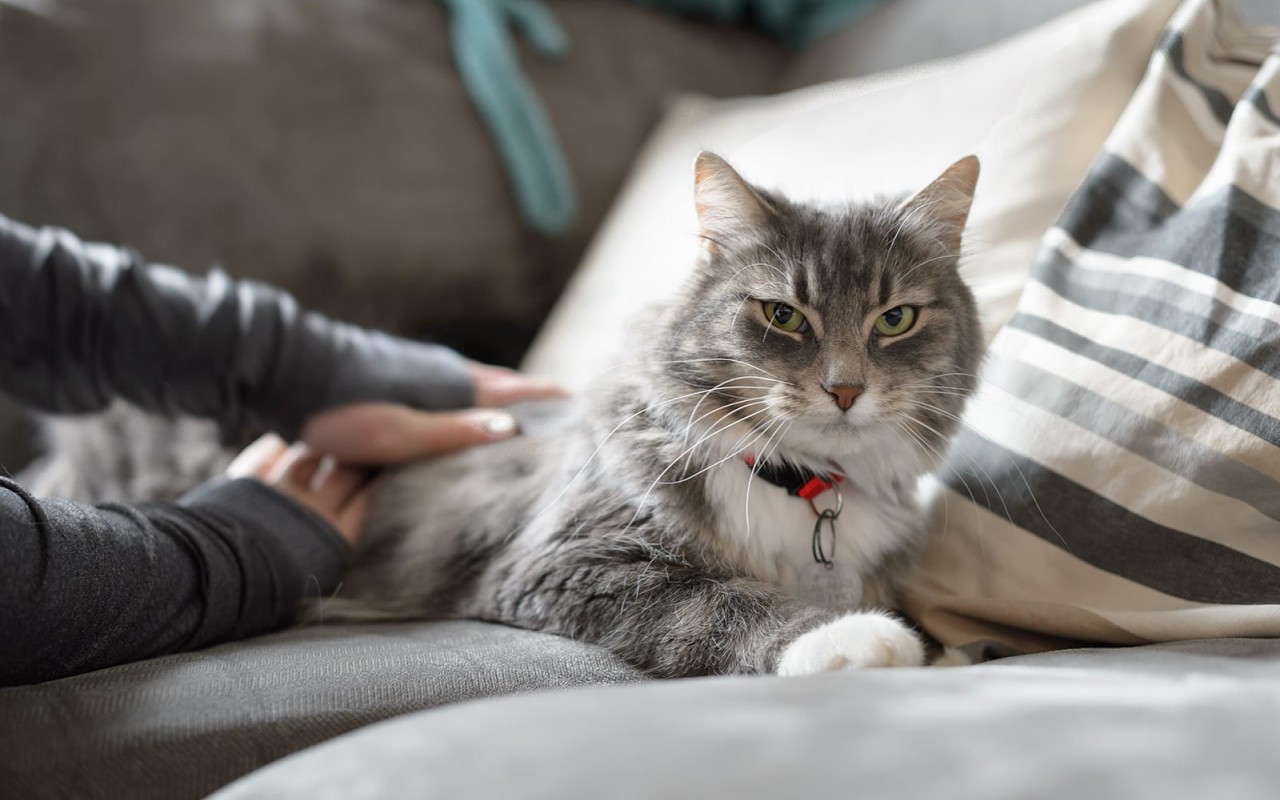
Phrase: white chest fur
pixel 769 533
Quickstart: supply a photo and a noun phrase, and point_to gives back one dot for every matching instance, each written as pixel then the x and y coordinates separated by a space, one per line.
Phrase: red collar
pixel 798 481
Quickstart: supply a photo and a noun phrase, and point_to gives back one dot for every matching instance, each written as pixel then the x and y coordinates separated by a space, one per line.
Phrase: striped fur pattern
pixel 635 522
pixel 125 455
pixel 1118 478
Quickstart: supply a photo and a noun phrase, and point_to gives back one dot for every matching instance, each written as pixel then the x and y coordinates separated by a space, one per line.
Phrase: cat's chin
pixel 818 444
pixel 815 444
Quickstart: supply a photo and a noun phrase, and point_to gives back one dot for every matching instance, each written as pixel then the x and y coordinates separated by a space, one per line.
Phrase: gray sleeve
pixel 81 324
pixel 87 587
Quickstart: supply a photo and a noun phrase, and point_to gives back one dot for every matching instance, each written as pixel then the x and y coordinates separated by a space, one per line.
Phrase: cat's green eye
pixel 896 321
pixel 785 318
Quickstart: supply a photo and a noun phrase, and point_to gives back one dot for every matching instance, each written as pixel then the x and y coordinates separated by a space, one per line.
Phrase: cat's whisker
pixel 670 362
pixel 1039 510
pixel 590 458
pixel 918 403
pixel 1012 462
pixel 764 264
pixel 658 480
pixel 746 503
pixel 704 236
pixel 966 422
pixel 736 413
pixel 1005 404
pixel 731 246
pixel 941 387
pixel 928 380
pixel 728 381
pixel 716 428
pixel 944 392
pixel 717 387
pixel 772 287
pixel 946 508
pixel 766 376
pixel 933 387
pixel 733 320
pixel 735 450
pixel 765 452
pixel 1030 493
pixel 774 252
pixel 983 384
pixel 747 364
pixel 912 216
pixel 942 460
pixel 775 289
pixel 907 274
pixel 737 405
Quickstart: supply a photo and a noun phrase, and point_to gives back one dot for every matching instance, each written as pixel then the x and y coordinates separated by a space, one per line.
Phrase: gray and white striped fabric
pixel 1118 477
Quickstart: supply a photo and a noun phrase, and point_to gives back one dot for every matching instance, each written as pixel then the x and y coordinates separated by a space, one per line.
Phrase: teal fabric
pixel 797 22
pixel 484 49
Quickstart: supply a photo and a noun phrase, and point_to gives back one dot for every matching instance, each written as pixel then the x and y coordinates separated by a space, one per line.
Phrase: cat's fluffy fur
pixel 125 455
pixel 636 523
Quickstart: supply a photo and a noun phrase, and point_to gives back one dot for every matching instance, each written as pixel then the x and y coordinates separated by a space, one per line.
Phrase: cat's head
pixel 831 331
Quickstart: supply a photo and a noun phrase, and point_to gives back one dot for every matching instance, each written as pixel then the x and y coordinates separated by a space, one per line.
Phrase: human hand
pixel 383 434
pixel 336 492
pixel 499 386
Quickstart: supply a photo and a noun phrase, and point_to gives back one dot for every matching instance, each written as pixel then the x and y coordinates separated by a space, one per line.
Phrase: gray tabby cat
pixel 839 342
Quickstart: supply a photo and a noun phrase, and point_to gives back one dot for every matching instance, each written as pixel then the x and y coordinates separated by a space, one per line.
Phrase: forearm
pixel 82 324
pixel 90 587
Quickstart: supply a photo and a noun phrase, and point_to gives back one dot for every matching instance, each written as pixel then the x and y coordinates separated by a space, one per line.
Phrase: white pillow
pixel 1117 477
pixel 1035 109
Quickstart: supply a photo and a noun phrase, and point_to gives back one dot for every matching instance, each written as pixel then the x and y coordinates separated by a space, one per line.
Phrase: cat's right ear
pixel 944 204
pixel 728 207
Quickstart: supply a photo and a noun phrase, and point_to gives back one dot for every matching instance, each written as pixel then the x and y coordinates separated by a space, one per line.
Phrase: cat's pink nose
pixel 844 394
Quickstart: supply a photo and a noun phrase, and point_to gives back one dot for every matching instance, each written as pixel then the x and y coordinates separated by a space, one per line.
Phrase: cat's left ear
pixel 728 207
pixel 944 205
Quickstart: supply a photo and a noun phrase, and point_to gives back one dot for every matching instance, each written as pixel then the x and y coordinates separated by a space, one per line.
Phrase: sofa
pixel 1051 699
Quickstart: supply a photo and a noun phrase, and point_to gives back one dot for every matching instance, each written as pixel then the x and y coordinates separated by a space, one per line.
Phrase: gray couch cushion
pixel 183 725
pixel 1191 720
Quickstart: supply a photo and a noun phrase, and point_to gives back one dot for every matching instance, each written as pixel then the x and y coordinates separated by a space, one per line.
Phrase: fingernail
pixel 256 456
pixel 499 425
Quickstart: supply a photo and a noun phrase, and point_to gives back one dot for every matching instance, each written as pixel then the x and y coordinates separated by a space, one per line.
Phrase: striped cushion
pixel 1118 476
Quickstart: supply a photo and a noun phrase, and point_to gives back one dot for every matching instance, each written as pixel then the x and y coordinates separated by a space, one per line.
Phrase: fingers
pixel 382 434
pixel 333 477
pixel 335 492
pixel 320 482
pixel 295 467
pixel 498 386
pixel 350 521
pixel 256 460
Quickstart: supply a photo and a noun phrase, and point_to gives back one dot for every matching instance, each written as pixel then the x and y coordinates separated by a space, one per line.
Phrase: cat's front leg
pixel 857 640
pixel 674 620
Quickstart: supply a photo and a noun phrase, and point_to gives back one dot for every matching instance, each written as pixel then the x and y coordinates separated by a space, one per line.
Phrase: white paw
pixel 864 639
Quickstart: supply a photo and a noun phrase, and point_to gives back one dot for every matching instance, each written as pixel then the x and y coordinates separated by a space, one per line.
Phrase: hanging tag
pixel 835 586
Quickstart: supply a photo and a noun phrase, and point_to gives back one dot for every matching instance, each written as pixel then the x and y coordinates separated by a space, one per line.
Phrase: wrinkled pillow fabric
pixel 1118 478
